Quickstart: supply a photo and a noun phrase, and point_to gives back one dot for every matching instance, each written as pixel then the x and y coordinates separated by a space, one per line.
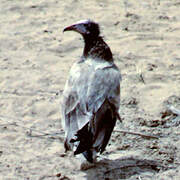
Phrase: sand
pixel 35 58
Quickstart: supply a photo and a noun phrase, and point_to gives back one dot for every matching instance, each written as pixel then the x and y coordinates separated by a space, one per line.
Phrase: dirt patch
pixel 35 58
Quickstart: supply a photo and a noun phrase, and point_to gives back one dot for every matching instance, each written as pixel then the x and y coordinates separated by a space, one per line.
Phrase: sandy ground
pixel 35 58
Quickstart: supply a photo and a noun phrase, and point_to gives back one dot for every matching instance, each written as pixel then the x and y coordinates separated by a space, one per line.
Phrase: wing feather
pixel 85 92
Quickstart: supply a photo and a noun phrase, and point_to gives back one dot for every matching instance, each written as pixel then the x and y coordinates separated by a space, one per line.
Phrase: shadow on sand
pixel 122 168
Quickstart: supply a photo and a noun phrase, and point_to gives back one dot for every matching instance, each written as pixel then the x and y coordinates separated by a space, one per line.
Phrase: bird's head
pixel 87 28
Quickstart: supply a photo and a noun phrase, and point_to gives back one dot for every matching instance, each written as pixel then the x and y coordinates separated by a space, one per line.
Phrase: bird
pixel 91 97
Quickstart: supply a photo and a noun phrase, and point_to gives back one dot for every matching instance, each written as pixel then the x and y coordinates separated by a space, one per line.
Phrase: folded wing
pixel 90 106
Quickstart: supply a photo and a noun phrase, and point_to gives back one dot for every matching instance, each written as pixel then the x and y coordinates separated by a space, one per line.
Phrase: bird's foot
pixel 86 165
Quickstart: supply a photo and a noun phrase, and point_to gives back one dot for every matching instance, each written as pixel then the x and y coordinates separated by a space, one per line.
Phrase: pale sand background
pixel 35 58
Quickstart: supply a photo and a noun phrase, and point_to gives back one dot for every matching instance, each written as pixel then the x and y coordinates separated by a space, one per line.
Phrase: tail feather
pixel 85 137
pixel 104 122
pixel 103 133
pixel 96 133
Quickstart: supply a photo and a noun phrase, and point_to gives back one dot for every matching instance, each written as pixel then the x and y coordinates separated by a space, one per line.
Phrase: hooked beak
pixel 77 28
pixel 69 28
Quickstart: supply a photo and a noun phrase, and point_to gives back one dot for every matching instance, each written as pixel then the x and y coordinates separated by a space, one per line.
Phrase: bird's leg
pixel 84 164
pixel 94 155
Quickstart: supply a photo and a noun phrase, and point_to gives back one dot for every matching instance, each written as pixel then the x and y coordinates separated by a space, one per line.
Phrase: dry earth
pixel 35 58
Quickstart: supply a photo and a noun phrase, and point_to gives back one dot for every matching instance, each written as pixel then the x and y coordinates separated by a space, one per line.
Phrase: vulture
pixel 91 97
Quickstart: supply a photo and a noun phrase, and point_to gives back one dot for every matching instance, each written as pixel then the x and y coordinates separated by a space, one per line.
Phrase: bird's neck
pixel 96 47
